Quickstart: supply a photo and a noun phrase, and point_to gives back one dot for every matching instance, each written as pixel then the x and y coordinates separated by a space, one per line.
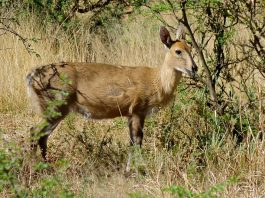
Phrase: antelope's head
pixel 178 56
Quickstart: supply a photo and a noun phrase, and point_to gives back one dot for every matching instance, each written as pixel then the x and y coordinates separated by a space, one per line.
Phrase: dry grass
pixel 89 157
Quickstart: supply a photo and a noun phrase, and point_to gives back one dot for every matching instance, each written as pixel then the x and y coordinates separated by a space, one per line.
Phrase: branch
pixel 6 28
pixel 209 82
pixel 160 18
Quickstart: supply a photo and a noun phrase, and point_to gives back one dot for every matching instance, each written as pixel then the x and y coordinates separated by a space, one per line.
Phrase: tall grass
pixel 188 150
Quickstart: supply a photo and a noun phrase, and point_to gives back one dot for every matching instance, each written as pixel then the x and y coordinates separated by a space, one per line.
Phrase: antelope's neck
pixel 169 79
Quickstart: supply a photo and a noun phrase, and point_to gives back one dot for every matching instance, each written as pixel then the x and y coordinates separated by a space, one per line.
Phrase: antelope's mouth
pixel 190 73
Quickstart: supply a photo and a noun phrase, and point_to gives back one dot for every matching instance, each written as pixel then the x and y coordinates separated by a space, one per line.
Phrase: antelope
pixel 103 91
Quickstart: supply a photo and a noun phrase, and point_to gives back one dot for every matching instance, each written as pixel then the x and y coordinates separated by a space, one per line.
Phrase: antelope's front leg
pixel 136 125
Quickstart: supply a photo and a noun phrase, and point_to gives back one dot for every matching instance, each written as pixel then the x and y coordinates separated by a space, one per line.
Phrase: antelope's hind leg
pixel 40 132
pixel 39 135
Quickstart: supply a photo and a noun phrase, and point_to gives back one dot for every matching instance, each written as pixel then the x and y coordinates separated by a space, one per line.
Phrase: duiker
pixel 102 91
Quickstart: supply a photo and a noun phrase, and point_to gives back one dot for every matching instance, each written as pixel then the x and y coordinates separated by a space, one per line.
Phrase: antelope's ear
pixel 165 37
pixel 180 33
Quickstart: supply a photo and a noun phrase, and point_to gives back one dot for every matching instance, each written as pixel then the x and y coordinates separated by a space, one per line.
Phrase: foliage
pixel 10 167
pixel 180 192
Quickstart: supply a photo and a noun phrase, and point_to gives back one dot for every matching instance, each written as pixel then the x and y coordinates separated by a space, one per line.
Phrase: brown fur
pixel 100 91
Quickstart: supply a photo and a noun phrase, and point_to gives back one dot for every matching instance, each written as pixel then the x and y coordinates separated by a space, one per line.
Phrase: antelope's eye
pixel 178 52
